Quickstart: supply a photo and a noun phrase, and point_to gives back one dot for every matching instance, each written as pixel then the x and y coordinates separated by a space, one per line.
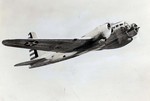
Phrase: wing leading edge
pixel 55 45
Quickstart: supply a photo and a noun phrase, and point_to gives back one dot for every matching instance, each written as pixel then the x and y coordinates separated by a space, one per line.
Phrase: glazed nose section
pixel 133 30
pixel 135 27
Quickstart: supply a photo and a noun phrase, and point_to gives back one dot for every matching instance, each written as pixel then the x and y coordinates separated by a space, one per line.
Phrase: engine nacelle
pixel 105 30
pixel 102 30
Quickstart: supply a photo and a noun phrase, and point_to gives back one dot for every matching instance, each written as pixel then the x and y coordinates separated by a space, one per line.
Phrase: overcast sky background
pixel 110 75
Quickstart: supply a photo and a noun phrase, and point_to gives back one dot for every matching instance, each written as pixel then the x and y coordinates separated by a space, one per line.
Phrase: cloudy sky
pixel 109 75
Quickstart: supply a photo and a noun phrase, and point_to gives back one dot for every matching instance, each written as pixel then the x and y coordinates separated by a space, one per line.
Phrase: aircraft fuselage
pixel 106 36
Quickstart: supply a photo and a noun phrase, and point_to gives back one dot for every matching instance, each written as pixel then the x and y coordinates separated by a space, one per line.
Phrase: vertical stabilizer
pixel 34 54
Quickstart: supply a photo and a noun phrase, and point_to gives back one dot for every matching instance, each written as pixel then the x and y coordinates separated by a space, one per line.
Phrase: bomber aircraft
pixel 106 36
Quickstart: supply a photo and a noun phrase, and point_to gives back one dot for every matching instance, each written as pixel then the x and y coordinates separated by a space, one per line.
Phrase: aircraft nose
pixel 133 30
pixel 135 27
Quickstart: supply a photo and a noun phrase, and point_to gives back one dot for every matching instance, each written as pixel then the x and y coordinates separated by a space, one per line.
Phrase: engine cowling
pixel 106 30
pixel 102 30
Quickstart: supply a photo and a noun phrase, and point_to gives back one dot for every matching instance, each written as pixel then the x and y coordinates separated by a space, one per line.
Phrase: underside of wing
pixel 55 45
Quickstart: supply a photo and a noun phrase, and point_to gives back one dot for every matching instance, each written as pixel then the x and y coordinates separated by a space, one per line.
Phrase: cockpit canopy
pixel 124 24
pixel 117 25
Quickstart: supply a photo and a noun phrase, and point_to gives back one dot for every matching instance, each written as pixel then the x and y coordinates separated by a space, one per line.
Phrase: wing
pixel 55 45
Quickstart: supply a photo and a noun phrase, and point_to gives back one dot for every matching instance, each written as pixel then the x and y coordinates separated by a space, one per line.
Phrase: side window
pixel 121 24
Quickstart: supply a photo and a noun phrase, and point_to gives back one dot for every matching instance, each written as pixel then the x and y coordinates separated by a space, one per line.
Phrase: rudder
pixel 34 54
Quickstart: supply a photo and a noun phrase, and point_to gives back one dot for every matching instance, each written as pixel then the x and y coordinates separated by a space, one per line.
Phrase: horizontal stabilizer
pixel 32 62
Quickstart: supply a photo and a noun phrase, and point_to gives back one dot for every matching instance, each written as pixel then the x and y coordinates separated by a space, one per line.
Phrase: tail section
pixel 34 54
pixel 34 63
pixel 37 58
pixel 32 35
pixel 31 62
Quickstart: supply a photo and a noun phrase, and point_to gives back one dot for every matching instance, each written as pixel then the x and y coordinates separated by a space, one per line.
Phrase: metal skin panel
pixel 55 45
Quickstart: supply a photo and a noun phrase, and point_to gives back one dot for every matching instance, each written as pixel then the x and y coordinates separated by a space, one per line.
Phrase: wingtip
pixel 4 42
pixel 7 42
pixel 16 65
